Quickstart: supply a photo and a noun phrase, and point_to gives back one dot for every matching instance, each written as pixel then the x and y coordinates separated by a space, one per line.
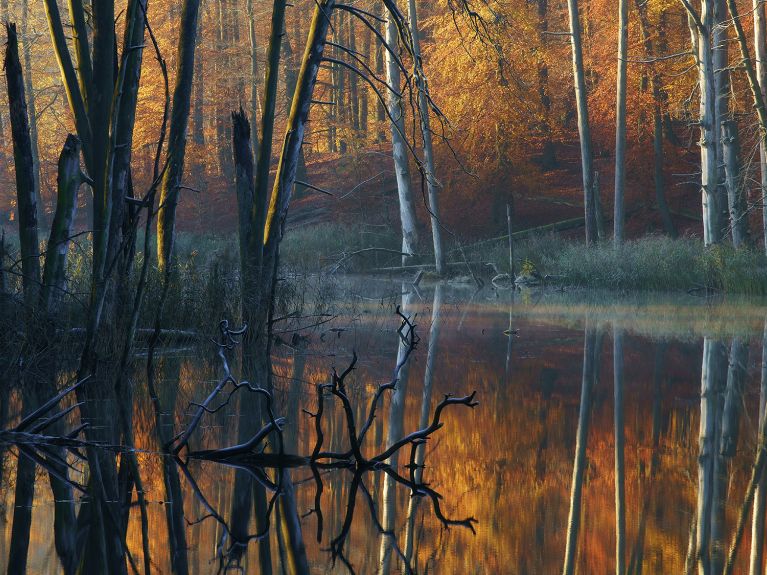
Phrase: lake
pixel 525 482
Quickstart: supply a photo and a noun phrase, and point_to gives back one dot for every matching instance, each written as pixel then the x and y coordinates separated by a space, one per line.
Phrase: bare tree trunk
pixel 584 131
pixel 721 63
pixel 254 79
pixel 760 47
pixel 24 496
pixel 590 355
pixel 291 79
pixel 432 184
pixel 399 148
pixel 701 30
pixel 380 62
pixel 756 560
pixel 26 194
pixel 69 181
pixel 198 131
pixel 549 161
pixel 714 355
pixel 620 440
pixel 423 422
pixel 736 194
pixel 395 432
pixel 182 94
pixel 620 123
pixel 32 107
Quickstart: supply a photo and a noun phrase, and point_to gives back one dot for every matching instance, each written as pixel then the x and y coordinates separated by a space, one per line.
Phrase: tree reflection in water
pixel 266 461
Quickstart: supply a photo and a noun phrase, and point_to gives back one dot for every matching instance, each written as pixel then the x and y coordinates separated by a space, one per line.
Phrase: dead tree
pixel 26 193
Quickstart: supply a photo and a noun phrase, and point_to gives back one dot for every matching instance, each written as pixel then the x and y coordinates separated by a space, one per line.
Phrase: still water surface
pixel 542 365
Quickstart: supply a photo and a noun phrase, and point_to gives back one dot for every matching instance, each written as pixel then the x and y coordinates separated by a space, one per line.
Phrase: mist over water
pixel 508 463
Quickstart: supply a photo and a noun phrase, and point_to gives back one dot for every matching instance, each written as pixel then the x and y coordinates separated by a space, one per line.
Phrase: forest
pixel 326 287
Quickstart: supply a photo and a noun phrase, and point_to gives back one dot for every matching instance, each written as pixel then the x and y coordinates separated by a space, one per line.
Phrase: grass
pixel 209 271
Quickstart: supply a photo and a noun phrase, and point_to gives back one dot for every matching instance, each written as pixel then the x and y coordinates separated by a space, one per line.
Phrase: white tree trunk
pixel 428 148
pixel 756 566
pixel 399 148
pixel 584 132
pixel 620 122
pixel 709 127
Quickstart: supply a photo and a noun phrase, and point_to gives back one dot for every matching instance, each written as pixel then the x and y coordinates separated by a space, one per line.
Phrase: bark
pixel 620 123
pixel 395 431
pixel 26 194
pixel 99 113
pixel 720 41
pixel 243 173
pixel 432 185
pixel 428 381
pixel 364 104
pixel 182 92
pixel 590 354
pixel 198 131
pixel 709 129
pixel 756 559
pixel 755 74
pixel 254 79
pixel 620 440
pixel 292 67
pixel 69 181
pixel 22 515
pixel 549 160
pixel 659 97
pixel 354 102
pixel 399 148
pixel 760 47
pixel 584 131
pixel 712 376
pixel 32 107
pixel 736 194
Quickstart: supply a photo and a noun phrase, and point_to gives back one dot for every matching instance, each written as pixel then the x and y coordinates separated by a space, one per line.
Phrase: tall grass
pixel 651 263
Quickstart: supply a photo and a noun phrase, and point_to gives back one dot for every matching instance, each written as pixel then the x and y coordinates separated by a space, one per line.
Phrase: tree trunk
pixel 26 194
pixel 198 131
pixel 720 41
pixel 182 92
pixel 760 46
pixel 590 354
pixel 549 160
pixel 32 106
pixel 756 560
pixel 423 422
pixel 620 440
pixel 709 132
pixel 620 122
pixel 291 79
pixel 736 195
pixel 69 181
pixel 584 131
pixel 424 110
pixel 254 79
pixel 714 354
pixel 659 97
pixel 400 149
pixel 395 432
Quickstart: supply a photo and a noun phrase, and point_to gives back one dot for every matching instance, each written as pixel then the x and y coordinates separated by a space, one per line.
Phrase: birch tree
pixel 701 25
pixel 620 122
pixel 399 147
pixel 432 184
pixel 584 131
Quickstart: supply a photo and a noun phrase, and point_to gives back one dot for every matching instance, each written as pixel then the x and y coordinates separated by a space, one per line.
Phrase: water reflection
pixel 611 436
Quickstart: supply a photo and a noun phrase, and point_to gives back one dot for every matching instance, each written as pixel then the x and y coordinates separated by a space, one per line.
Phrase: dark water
pixel 543 367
